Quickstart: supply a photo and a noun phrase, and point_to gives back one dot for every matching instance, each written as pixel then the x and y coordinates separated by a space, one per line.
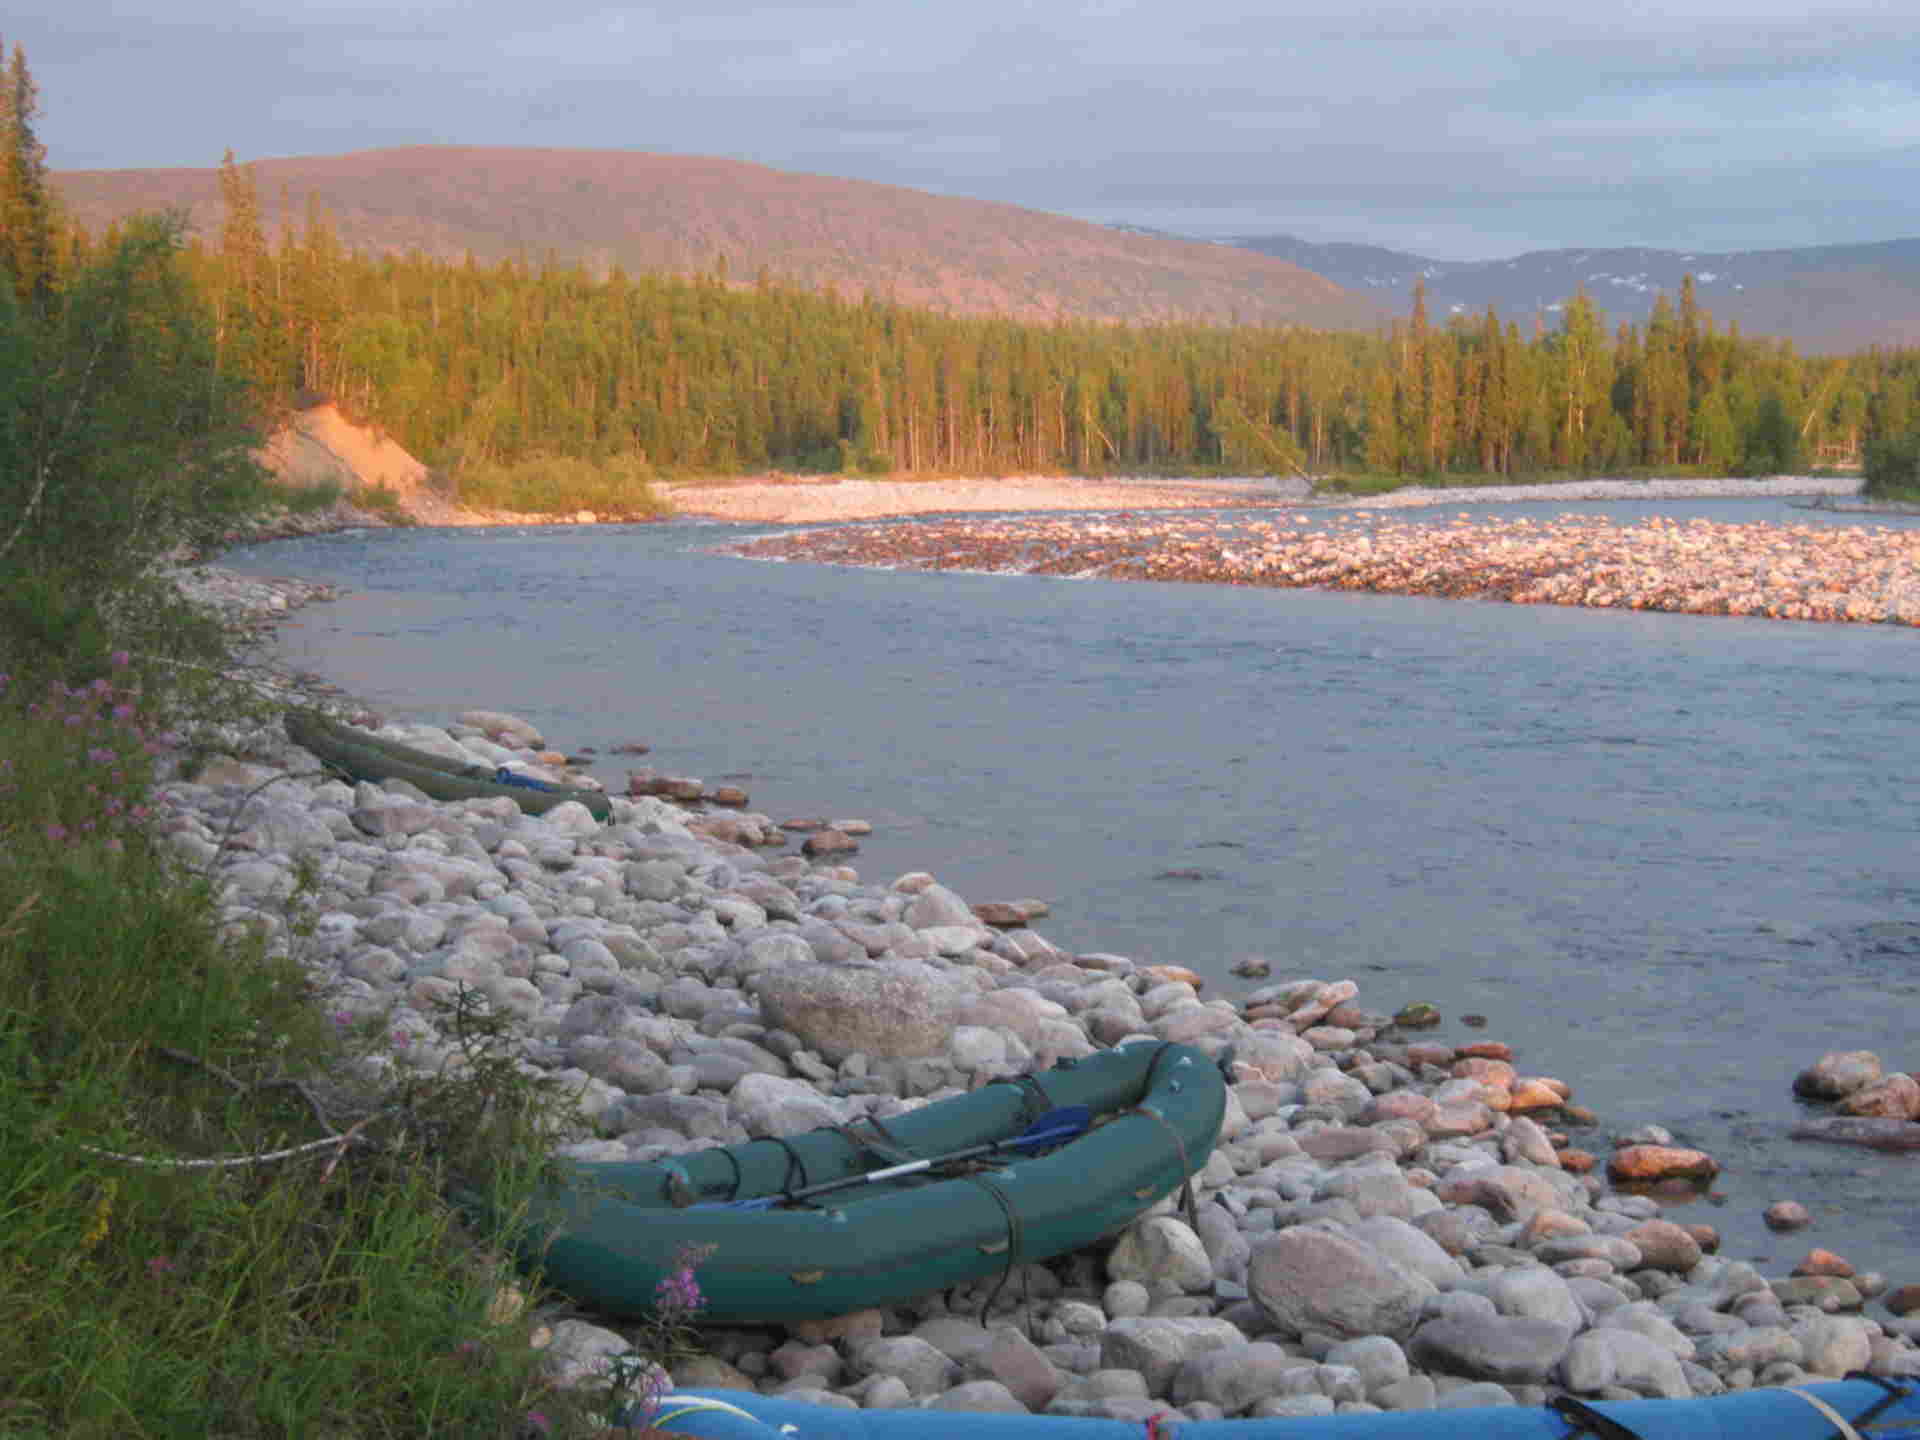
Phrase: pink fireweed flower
pixel 120 659
pixel 100 755
pixel 123 711
pixel 162 1265
pixel 679 1293
pixel 56 832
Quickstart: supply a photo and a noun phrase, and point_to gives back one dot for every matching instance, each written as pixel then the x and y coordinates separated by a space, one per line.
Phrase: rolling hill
pixel 1825 298
pixel 687 214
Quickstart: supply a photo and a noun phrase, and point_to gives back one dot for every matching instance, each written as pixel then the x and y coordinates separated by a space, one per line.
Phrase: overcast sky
pixel 1454 130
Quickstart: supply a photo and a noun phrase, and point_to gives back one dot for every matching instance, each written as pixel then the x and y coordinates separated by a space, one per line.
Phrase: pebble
pixel 1374 1230
pixel 1787 1215
pixel 1863 574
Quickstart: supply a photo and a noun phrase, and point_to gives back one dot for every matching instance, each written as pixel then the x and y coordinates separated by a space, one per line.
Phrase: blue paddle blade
pixel 1056 1127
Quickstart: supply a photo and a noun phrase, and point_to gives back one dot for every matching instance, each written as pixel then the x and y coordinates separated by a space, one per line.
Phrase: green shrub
pixel 618 487
pixel 306 499
pixel 121 445
pixel 125 441
pixel 1891 467
pixel 223 1209
pixel 384 501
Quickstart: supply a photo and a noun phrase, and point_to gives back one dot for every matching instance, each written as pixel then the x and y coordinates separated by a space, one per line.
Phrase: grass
pixel 306 499
pixel 223 1208
pixel 384 501
pixel 618 488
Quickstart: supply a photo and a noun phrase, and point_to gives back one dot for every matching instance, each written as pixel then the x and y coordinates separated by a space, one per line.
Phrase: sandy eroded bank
pixel 790 502
pixel 825 501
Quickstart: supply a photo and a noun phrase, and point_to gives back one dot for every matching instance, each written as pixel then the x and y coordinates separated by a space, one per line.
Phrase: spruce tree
pixel 26 197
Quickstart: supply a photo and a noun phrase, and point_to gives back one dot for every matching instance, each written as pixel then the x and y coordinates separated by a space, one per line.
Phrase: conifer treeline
pixel 29 223
pixel 481 364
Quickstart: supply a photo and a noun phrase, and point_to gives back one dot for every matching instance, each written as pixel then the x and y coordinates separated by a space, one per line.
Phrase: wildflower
pixel 56 832
pixel 101 686
pixel 120 659
pixel 343 1017
pixel 162 1265
pixel 101 755
pixel 678 1294
pixel 123 711
pixel 654 1386
pixel 74 721
pixel 538 1422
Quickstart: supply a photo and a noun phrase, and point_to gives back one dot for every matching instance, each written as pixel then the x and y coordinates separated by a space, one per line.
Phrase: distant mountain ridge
pixel 1823 298
pixel 686 214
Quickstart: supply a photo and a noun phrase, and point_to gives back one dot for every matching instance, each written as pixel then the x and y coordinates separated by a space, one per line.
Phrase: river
pixel 1671 859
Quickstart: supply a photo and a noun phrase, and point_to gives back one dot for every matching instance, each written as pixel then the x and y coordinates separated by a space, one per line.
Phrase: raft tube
pixel 366 756
pixel 1852 1409
pixel 608 1234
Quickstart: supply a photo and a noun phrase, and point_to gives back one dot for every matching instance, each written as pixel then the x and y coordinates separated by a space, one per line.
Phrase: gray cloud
pixel 1454 127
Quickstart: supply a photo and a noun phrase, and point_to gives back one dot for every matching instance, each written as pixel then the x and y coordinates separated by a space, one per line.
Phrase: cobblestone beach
pixel 1864 573
pixel 1400 1213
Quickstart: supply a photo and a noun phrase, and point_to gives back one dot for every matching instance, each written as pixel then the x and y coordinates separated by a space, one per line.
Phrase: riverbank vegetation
pixel 223 1209
pixel 494 367
pixel 1892 468
pixel 542 387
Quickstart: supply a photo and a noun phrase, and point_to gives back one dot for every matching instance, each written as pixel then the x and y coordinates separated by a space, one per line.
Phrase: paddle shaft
pixel 1055 1126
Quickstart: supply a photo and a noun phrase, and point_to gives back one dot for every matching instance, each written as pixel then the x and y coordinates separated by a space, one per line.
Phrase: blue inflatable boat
pixel 1859 1408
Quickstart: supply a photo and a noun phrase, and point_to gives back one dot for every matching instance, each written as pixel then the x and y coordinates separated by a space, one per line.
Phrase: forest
pixel 481 366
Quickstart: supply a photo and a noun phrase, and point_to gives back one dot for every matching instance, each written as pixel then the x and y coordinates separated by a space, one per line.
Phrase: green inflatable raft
pixel 847 1217
pixel 362 755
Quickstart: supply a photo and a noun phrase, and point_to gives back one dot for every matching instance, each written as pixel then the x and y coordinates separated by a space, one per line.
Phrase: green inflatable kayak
pixel 847 1217
pixel 363 755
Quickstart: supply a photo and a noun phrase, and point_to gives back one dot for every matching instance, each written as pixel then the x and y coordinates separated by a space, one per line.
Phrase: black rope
pixel 1013 1241
pixel 1034 1100
pixel 733 1190
pixel 1895 1394
pixel 1187 1203
pixel 795 1165
pixel 1588 1421
pixel 882 1143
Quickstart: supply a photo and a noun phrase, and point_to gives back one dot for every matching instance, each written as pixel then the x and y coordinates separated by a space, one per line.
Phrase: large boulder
pixel 1323 1278
pixel 1164 1255
pixel 898 1011
pixel 1511 1349
pixel 1837 1074
pixel 1156 1346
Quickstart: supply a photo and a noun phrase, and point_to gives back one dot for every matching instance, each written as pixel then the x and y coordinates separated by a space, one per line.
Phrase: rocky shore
pixel 1395 1217
pixel 1391 1220
pixel 1783 572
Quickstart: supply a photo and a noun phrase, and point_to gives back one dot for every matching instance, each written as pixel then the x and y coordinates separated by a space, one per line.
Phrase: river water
pixel 1671 859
